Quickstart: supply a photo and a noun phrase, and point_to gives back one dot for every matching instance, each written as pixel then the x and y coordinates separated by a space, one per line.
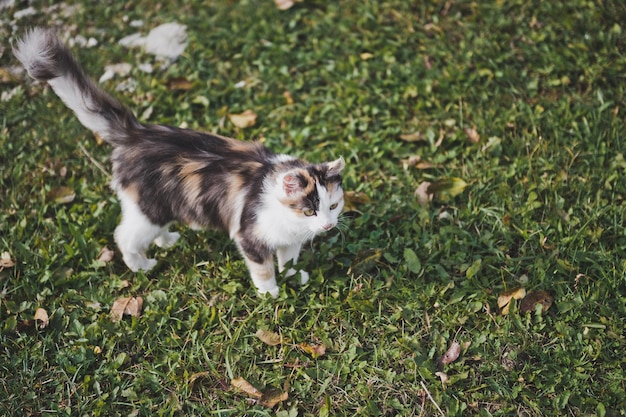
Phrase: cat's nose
pixel 328 226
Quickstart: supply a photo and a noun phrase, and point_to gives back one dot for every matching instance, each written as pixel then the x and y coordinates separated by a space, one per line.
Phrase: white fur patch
pixel 68 90
pixel 135 233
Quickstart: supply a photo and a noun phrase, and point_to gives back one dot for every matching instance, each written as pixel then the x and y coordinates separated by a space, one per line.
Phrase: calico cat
pixel 268 203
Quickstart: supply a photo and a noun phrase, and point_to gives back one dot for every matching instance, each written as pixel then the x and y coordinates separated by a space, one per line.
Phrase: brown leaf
pixel 451 354
pixel 314 350
pixel 443 376
pixel 422 194
pixel 533 298
pixel 412 137
pixel 472 135
pixel 271 398
pixel 5 261
pixel 269 338
pixel 179 83
pixel 105 255
pixel 243 385
pixel 61 195
pixel 41 315
pixel 504 300
pixel 99 139
pixel 288 97
pixel 195 377
pixel 243 120
pixel 129 306
pixel 353 199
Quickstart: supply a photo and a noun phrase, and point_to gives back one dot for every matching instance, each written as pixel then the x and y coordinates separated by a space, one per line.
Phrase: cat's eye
pixel 334 206
pixel 309 212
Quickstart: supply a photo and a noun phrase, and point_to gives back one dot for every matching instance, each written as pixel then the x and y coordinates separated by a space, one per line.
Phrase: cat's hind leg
pixel 134 235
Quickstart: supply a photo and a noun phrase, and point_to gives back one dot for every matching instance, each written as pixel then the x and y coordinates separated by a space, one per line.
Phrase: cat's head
pixel 313 195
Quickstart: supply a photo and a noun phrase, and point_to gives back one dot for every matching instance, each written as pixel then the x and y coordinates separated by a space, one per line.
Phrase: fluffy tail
pixel 46 58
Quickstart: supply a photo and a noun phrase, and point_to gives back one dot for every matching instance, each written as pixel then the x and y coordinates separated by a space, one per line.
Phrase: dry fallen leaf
pixel 504 300
pixel 443 376
pixel 269 338
pixel 179 83
pixel 243 120
pixel 110 71
pixel 451 354
pixel 5 261
pixel 284 4
pixel 353 199
pixel 195 377
pixel 41 315
pixel 472 135
pixel 61 195
pixel 271 398
pixel 268 399
pixel 412 137
pixel 314 350
pixel 423 197
pixel 533 298
pixel 288 97
pixel 243 385
pixel 129 306
pixel 105 255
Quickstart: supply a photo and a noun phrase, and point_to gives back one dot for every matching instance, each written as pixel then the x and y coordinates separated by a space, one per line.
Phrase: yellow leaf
pixel 41 315
pixel 452 186
pixel 366 56
pixel 243 120
pixel 314 350
pixel 243 385
pixel 504 300
pixel 269 338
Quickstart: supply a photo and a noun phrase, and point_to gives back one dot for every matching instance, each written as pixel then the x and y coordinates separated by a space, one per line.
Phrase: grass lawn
pixel 514 111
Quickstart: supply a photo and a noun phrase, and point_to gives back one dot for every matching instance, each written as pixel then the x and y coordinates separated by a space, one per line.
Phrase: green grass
pixel 543 84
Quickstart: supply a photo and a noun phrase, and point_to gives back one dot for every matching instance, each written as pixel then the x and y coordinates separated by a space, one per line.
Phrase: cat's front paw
pixel 139 263
pixel 167 240
pixel 272 291
pixel 304 277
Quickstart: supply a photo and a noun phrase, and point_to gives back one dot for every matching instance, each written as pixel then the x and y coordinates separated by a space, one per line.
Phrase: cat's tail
pixel 48 59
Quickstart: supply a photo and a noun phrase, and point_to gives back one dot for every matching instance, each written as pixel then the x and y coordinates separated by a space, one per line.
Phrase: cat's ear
pixel 335 167
pixel 292 183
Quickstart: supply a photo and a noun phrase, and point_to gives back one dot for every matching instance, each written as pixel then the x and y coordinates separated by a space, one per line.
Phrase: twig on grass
pixel 430 397
pixel 93 160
